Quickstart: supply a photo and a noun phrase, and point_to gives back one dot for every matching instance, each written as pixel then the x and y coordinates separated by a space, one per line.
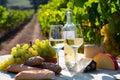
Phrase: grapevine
pixel 10 19
pixel 110 41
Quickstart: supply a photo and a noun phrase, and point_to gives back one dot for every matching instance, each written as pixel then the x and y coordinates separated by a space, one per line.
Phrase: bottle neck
pixel 69 17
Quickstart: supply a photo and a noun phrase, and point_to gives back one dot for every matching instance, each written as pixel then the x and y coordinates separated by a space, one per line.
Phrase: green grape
pixel 35 53
pixel 30 49
pixel 29 52
pixel 25 46
pixel 23 52
pixel 35 47
pixel 5 64
pixel 43 45
pixel 37 42
pixel 18 45
pixel 2 66
pixel 11 60
pixel 46 42
pixel 19 52
pixel 13 52
pixel 14 48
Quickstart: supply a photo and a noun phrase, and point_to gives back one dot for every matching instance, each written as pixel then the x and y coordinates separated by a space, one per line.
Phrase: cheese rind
pixel 106 61
pixel 114 60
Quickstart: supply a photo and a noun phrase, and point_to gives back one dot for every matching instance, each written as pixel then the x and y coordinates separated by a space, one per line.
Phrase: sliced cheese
pixel 106 61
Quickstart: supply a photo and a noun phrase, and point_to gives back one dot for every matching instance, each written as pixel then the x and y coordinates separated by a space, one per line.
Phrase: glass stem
pixel 58 56
pixel 75 52
pixel 76 59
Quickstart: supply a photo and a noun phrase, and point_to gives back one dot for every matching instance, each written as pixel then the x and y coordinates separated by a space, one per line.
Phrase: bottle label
pixel 69 34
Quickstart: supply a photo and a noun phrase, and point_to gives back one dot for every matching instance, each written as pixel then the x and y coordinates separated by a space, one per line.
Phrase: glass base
pixel 74 69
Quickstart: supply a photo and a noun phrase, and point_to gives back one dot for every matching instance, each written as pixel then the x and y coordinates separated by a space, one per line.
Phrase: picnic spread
pixel 65 74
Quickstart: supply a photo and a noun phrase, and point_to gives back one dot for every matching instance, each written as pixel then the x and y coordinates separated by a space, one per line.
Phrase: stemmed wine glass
pixel 75 43
pixel 56 38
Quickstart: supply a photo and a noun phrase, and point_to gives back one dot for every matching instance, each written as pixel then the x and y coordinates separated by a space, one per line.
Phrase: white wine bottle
pixel 69 33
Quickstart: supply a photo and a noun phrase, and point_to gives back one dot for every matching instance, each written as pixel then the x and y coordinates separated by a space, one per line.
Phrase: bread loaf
pixel 34 61
pixel 106 61
pixel 20 67
pixel 51 66
pixel 43 74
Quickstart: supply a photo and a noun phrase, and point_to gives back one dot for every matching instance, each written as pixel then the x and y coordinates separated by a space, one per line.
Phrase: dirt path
pixel 30 32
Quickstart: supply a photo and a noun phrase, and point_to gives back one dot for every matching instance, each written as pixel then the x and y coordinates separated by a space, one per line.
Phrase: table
pixel 99 74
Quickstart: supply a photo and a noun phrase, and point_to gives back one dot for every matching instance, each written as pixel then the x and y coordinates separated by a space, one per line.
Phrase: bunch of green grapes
pixel 6 63
pixel 19 54
pixel 44 49
pixel 109 43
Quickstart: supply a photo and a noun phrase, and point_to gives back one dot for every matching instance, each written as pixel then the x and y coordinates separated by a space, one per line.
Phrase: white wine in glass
pixel 74 43
pixel 56 38
pixel 73 37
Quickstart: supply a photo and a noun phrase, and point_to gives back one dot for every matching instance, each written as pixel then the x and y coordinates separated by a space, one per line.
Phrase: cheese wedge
pixel 87 65
pixel 106 61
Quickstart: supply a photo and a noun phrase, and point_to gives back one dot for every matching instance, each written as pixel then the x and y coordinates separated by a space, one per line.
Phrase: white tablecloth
pixel 65 75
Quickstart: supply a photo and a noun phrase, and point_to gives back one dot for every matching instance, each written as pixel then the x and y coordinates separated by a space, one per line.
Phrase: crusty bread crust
pixel 35 75
pixel 20 67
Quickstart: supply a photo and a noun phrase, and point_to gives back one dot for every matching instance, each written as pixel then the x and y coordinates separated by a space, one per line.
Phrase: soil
pixel 30 32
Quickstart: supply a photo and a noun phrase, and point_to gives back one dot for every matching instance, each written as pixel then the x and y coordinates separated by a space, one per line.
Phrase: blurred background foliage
pixel 14 13
pixel 91 14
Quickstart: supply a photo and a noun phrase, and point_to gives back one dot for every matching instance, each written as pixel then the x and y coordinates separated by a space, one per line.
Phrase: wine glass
pixel 75 43
pixel 56 39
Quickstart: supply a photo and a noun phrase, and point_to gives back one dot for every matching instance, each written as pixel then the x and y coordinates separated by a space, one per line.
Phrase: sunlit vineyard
pixel 11 19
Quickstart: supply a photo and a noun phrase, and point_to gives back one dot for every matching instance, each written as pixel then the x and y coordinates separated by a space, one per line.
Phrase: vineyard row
pixel 11 20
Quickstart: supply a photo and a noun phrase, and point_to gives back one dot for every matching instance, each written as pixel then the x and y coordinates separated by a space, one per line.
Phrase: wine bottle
pixel 69 33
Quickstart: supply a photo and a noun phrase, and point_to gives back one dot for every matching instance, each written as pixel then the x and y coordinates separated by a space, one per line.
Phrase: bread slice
pixel 106 61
